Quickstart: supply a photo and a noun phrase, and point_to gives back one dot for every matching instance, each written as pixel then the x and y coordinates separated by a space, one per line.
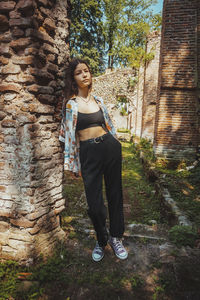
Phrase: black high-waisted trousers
pixel 102 157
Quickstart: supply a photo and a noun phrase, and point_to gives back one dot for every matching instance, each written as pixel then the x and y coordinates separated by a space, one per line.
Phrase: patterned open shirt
pixel 69 136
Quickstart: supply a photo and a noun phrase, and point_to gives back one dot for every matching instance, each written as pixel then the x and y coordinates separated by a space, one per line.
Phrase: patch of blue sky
pixel 156 8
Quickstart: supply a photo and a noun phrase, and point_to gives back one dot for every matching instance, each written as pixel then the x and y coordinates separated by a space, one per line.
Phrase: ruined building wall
pixel 148 89
pixel 177 120
pixel 113 84
pixel 33 53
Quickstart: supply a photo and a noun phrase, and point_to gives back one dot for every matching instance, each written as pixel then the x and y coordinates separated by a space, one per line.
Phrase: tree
pixel 127 24
pixel 86 38
pixel 111 33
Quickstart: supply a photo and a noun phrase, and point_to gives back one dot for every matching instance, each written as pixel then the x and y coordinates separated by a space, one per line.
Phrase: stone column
pixel 177 120
pixel 34 51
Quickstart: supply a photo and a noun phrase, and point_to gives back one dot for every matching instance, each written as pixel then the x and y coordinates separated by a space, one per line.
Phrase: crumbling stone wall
pixel 33 51
pixel 118 83
pixel 177 117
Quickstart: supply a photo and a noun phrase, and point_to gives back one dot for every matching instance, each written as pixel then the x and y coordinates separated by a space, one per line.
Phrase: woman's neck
pixel 84 93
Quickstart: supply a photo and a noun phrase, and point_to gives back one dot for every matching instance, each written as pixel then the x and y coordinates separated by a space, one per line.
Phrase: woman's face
pixel 82 76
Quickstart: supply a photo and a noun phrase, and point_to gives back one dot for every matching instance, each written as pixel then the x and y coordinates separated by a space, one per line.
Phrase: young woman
pixel 90 145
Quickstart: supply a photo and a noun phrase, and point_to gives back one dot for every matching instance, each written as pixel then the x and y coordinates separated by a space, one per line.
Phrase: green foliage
pixel 86 37
pixel 183 235
pixel 123 130
pixel 8 279
pixel 132 83
pixel 115 29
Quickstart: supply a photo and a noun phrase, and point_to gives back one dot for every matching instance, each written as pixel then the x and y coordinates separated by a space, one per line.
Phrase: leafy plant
pixel 183 235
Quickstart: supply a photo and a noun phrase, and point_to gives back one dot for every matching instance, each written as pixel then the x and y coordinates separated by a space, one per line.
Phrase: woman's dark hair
pixel 71 87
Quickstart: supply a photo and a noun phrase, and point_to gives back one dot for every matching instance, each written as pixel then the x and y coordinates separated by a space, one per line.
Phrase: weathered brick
pixel 17 32
pixel 4 24
pixel 23 60
pixel 40 89
pixel 41 35
pixel 22 222
pixel 20 43
pixel 11 69
pixel 48 99
pixel 49 49
pixel 15 14
pixel 49 24
pixel 10 87
pixel 21 78
pixel 3 60
pixel 22 22
pixel 8 123
pixel 35 215
pixel 4 226
pixel 52 68
pixel 6 6
pixel 5 50
pixel 43 2
pixel 24 5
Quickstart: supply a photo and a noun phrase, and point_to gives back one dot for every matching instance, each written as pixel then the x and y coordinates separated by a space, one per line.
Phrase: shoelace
pixel 98 249
pixel 118 245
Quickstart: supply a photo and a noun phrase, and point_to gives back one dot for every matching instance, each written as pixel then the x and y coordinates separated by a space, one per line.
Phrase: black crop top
pixel 87 120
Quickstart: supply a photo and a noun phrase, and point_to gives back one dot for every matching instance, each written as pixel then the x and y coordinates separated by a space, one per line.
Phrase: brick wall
pixel 177 120
pixel 33 54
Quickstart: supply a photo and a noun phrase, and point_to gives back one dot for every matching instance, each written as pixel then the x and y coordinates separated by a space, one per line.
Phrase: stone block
pixel 4 226
pixel 43 2
pixel 47 99
pixel 6 37
pixel 9 123
pixel 52 68
pixel 41 35
pixel 25 5
pixel 14 14
pixel 59 210
pixel 2 189
pixel 17 32
pixel 5 50
pixel 10 96
pixel 2 115
pixel 43 75
pixel 20 43
pixel 51 57
pixel 11 69
pixel 34 230
pixel 38 214
pixel 4 24
pixel 20 78
pixel 22 222
pixel 49 49
pixel 6 6
pixel 21 22
pixel 49 24
pixel 36 89
pixel 10 87
pixel 45 11
pixel 23 60
pixel 3 60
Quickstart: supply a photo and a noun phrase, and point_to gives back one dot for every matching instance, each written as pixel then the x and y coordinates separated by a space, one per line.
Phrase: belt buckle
pixel 97 141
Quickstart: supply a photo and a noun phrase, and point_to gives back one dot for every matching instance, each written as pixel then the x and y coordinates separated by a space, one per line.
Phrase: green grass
pixel 145 204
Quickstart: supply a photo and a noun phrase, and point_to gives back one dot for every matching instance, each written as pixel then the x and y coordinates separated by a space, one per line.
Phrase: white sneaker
pixel 97 253
pixel 118 248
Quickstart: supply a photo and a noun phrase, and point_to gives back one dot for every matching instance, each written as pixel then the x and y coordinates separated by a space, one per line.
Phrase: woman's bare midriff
pixel 90 133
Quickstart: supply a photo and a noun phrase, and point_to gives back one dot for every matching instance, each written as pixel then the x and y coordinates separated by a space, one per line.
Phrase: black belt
pixel 96 140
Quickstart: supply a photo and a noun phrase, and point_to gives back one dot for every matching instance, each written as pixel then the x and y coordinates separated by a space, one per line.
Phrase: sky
pixel 158 7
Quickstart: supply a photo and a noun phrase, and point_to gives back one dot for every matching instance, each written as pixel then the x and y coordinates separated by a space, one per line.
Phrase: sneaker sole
pixel 97 259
